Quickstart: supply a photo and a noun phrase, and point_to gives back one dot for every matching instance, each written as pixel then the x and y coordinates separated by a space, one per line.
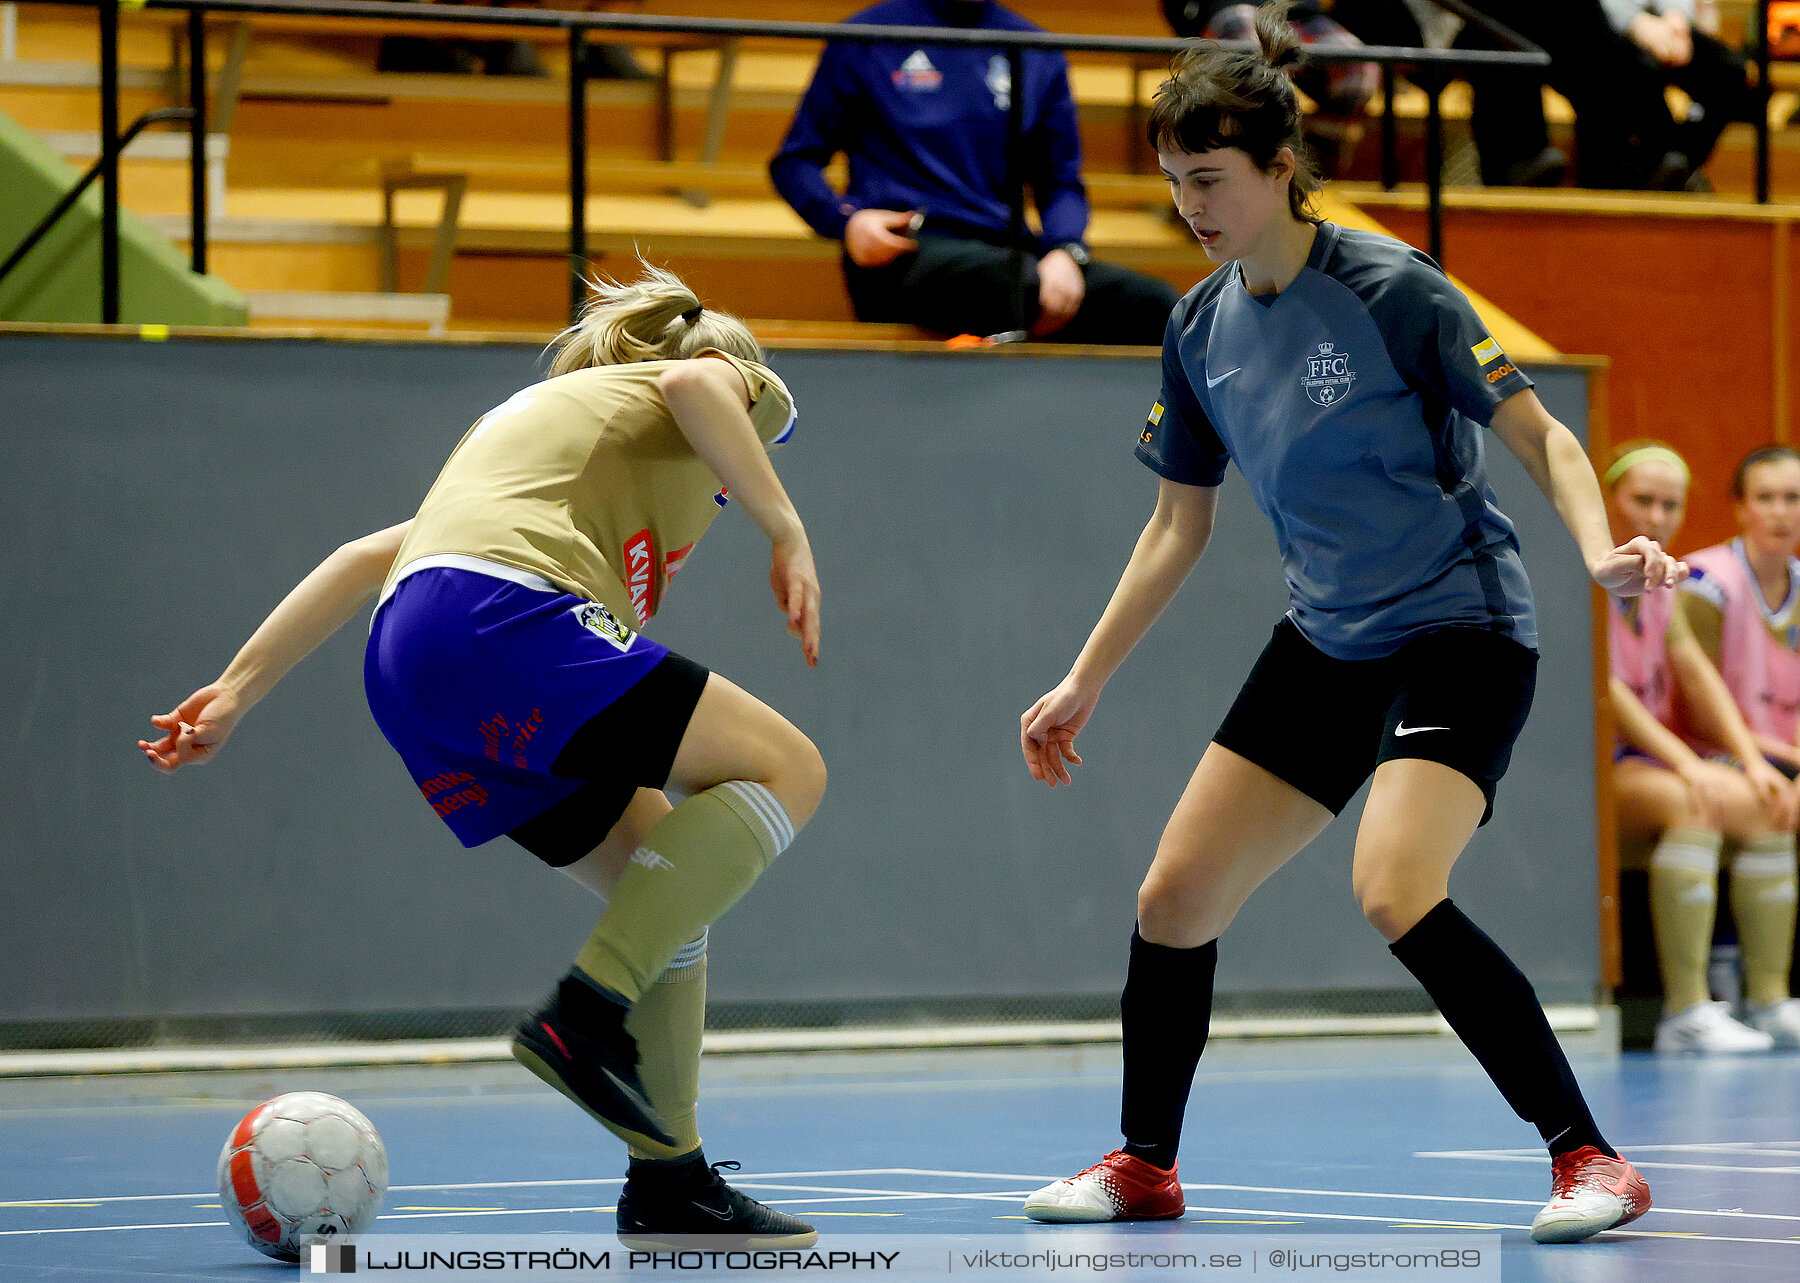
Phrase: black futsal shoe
pixel 687 1204
pixel 594 1066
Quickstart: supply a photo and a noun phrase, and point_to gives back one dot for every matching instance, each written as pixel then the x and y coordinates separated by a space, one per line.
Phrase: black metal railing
pixel 1430 68
pixel 1764 90
pixel 109 270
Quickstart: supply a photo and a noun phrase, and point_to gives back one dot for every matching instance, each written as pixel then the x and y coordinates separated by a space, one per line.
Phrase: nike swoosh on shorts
pixel 1403 729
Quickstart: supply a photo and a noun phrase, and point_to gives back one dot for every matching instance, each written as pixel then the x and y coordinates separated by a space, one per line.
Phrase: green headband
pixel 1645 454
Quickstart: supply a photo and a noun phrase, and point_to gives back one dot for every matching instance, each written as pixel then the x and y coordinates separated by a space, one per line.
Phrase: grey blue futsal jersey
pixel 1352 402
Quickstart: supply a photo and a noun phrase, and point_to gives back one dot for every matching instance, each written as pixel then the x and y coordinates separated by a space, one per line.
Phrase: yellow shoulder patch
pixel 1486 350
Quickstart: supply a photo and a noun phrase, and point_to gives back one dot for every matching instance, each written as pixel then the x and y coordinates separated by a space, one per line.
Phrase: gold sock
pixel 1762 902
pixel 1684 895
pixel 696 863
pixel 668 1023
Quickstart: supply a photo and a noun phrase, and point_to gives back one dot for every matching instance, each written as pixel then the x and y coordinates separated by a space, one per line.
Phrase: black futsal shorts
pixel 1456 695
pixel 628 745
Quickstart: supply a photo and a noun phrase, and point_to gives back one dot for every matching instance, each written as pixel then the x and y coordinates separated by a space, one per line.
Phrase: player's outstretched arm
pixel 1175 536
pixel 1559 465
pixel 710 403
pixel 317 607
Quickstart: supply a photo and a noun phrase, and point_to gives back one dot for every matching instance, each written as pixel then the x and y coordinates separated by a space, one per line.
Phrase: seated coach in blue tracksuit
pixel 925 131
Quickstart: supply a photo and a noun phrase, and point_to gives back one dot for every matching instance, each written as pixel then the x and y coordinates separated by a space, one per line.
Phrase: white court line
pixel 1238 1211
pixel 552 1184
pixel 510 1211
pixel 1012 1195
pixel 1486 1225
pixel 1036 1180
pixel 767 1181
pixel 1463 1198
pixel 1729 1146
pixel 1543 1160
pixel 1783 1147
pixel 392 1189
pixel 834 1193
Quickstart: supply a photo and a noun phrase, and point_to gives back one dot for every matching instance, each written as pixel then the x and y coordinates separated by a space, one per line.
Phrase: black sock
pixel 680 1170
pixel 594 1011
pixel 1164 1013
pixel 1493 1009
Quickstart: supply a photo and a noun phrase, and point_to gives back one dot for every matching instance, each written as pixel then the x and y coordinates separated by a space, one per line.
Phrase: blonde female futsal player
pixel 1349 381
pixel 1672 804
pixel 506 667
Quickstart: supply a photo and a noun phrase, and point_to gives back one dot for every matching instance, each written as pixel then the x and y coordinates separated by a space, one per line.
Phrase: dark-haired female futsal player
pixel 1349 381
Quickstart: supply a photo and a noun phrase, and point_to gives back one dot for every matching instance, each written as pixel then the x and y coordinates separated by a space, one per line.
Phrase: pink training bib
pixel 1762 673
pixel 1637 641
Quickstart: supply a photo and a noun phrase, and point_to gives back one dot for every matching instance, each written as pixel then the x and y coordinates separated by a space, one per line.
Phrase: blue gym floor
pixel 111 1179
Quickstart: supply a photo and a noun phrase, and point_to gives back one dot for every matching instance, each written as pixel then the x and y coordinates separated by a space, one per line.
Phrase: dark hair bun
pixel 1281 46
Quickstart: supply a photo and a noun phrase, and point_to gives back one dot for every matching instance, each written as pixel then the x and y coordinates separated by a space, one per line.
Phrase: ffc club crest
pixel 1328 375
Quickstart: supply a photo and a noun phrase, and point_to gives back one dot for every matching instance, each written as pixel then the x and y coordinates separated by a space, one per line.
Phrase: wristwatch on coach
pixel 1077 251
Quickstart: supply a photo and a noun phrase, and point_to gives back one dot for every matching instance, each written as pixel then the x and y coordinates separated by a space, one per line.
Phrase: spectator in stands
pixel 1676 42
pixel 1340 90
pixel 1674 805
pixel 1622 124
pixel 925 220
pixel 502 57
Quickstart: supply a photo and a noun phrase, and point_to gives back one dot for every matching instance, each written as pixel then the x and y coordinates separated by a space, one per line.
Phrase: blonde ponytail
pixel 655 318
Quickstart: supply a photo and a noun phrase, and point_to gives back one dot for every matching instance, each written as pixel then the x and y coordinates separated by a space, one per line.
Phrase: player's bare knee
pixel 1392 905
pixel 1169 913
pixel 800 783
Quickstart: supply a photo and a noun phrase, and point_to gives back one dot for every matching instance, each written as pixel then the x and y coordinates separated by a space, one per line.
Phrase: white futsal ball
pixel 301 1167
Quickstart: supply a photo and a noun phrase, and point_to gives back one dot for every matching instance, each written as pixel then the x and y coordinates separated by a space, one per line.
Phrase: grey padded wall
pixel 970 516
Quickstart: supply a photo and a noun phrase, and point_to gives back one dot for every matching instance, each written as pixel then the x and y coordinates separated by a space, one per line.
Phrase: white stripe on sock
pixel 767 808
pixel 739 789
pixel 689 953
pixel 1688 859
pixel 764 804
pixel 784 825
pixel 1749 865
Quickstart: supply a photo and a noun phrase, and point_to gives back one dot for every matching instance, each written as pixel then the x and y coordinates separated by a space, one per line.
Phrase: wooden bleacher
pixel 316 129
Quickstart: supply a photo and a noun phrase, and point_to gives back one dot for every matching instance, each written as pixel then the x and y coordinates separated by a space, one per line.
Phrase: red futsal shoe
pixel 1589 1192
pixel 1117 1188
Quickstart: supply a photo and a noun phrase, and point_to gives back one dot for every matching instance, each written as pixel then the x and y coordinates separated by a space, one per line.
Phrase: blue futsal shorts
pixel 522 709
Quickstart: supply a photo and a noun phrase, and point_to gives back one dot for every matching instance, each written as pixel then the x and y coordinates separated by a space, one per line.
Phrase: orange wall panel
pixel 1684 308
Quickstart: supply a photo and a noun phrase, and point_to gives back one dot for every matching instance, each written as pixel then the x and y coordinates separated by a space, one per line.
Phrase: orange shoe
pixel 1117 1188
pixel 1589 1192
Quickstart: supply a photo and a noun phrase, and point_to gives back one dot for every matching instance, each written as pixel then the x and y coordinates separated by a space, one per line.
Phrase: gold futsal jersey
pixel 586 481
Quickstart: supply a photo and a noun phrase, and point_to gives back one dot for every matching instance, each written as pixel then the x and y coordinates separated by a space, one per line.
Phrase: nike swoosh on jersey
pixel 1403 729
pixel 1213 383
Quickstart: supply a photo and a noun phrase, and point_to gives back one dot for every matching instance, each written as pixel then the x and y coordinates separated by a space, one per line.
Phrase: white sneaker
pixel 1589 1192
pixel 1707 1028
pixel 1120 1187
pixel 1781 1021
